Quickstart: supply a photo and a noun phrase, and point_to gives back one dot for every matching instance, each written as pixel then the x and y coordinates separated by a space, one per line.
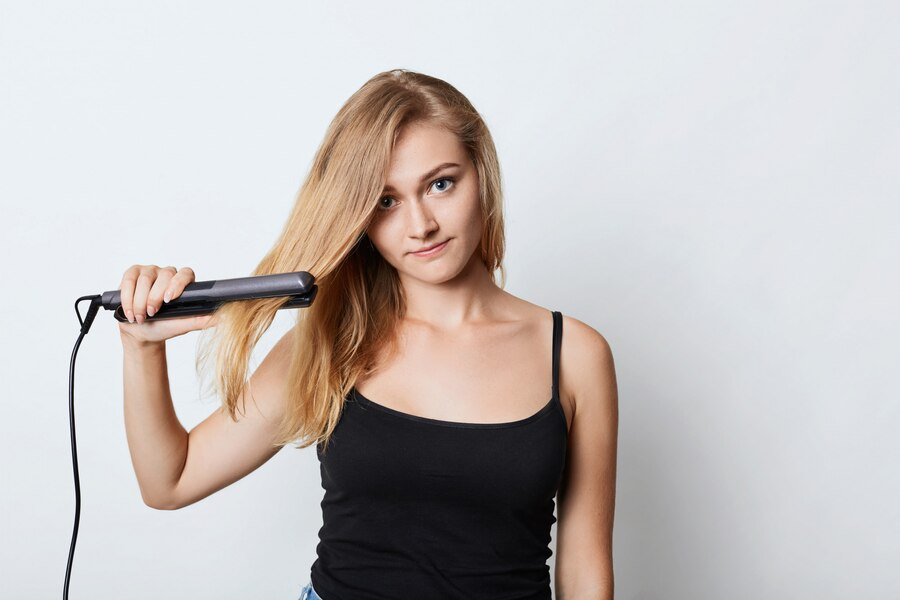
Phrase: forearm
pixel 156 439
pixel 598 591
pixel 595 583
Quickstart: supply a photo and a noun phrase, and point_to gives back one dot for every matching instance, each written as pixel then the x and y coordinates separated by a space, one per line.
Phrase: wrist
pixel 131 344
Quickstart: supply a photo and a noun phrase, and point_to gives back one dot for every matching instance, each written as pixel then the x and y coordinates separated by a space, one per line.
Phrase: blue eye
pixel 449 180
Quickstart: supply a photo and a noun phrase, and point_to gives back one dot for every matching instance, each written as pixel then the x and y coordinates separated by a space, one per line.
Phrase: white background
pixel 711 185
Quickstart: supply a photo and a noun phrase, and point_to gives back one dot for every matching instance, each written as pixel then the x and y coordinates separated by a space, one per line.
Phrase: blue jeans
pixel 308 593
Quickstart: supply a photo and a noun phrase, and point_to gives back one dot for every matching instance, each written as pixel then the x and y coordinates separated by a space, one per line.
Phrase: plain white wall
pixel 713 186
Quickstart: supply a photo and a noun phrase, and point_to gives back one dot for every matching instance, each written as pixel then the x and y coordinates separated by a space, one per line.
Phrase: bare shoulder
pixel 586 363
pixel 586 367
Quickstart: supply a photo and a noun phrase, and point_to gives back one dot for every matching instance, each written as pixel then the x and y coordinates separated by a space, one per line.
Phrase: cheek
pixel 476 219
pixel 385 235
pixel 465 213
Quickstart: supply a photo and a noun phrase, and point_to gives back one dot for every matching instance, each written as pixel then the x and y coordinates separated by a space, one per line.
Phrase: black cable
pixel 85 327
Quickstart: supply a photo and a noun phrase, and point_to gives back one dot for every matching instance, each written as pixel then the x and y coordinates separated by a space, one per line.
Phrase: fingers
pixel 177 284
pixel 155 299
pixel 126 291
pixel 145 278
pixel 145 288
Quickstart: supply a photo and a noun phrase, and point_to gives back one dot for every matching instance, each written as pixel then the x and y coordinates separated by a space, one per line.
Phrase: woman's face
pixel 430 197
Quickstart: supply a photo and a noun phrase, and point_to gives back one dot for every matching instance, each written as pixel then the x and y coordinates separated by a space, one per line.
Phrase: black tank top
pixel 422 508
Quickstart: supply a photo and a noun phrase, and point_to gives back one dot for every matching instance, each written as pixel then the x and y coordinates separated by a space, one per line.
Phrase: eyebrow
pixel 427 175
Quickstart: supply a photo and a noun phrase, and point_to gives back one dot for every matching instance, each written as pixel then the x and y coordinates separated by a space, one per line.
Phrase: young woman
pixel 423 384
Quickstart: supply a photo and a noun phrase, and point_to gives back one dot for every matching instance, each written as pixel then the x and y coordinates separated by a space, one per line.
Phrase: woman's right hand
pixel 143 291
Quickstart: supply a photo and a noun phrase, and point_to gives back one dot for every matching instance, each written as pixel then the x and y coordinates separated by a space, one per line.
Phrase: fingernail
pixel 150 311
pixel 130 316
pixel 167 297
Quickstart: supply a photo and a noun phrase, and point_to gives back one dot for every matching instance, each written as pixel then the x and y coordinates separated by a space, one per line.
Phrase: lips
pixel 432 247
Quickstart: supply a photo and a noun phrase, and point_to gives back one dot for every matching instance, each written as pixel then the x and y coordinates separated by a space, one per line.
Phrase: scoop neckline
pixel 428 420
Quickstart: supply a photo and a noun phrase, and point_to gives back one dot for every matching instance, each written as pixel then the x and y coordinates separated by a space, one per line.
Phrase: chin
pixel 443 274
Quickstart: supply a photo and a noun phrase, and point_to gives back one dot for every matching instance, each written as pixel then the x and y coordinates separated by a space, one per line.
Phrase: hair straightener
pixel 197 298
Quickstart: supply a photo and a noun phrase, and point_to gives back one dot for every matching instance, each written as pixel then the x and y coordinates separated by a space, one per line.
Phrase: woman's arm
pixel 176 468
pixel 587 494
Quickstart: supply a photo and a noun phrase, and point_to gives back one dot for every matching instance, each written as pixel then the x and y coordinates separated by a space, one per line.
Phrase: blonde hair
pixel 359 299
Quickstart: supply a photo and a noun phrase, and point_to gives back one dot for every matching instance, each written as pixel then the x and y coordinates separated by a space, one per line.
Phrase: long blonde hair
pixel 359 299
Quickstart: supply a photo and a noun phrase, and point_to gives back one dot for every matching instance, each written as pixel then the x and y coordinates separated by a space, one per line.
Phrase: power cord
pixel 85 327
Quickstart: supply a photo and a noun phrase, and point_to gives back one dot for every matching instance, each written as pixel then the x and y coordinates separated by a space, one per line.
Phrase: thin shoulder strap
pixel 557 341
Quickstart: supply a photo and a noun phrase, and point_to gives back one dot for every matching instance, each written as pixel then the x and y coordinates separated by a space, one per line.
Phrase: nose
pixel 421 221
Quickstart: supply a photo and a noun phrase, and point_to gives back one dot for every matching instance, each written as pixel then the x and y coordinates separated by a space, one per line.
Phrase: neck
pixel 451 304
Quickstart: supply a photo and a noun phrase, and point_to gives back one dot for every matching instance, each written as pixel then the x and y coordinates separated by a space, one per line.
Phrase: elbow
pixel 164 506
pixel 167 503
